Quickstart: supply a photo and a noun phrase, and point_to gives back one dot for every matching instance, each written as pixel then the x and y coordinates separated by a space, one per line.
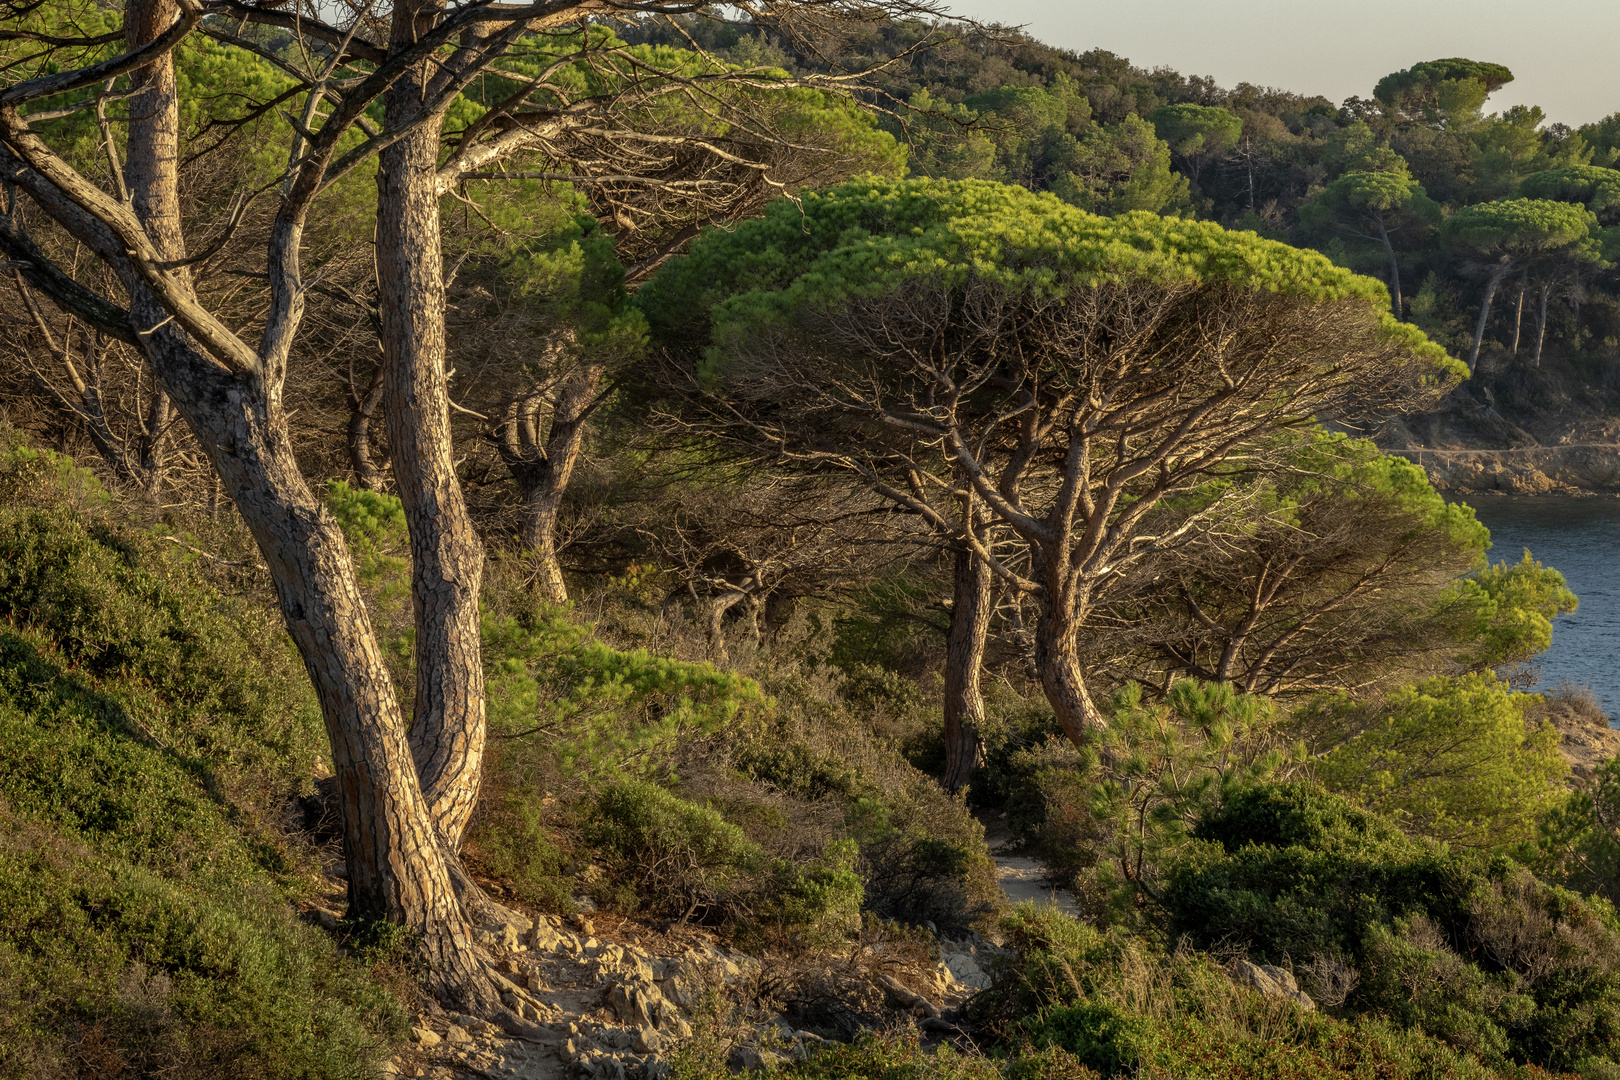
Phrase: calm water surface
pixel 1579 537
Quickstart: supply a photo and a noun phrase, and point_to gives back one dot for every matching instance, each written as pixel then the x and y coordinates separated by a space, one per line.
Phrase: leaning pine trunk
pixel 1518 317
pixel 1058 663
pixel 964 656
pixel 1541 325
pixel 1394 272
pixel 1485 312
pixel 448 725
pixel 545 484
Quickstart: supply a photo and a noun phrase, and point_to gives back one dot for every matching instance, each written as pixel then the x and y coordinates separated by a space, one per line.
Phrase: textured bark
pixel 447 730
pixel 1057 660
pixel 964 656
pixel 1394 272
pixel 151 176
pixel 1518 316
pixel 395 861
pixel 1541 324
pixel 363 406
pixel 543 468
pixel 1491 285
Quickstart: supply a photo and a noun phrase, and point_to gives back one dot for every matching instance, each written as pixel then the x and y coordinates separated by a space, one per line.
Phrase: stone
pixel 965 970
pixel 425 1036
pixel 457 1034
pixel 1272 981
pixel 640 1004
pixel 647 1040
pixel 582 924
pixel 750 1058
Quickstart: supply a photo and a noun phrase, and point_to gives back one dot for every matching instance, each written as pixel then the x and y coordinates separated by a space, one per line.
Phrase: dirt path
pixel 1022 878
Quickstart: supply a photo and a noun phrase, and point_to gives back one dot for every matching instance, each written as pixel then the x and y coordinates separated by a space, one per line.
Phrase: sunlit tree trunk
pixel 1518 316
pixel 1491 285
pixel 447 726
pixel 395 862
pixel 543 465
pixel 971 609
pixel 1541 323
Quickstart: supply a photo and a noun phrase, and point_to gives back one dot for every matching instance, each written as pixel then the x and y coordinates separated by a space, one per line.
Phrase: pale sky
pixel 1564 54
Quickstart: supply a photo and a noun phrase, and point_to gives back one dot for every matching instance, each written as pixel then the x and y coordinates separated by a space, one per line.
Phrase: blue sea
pixel 1581 538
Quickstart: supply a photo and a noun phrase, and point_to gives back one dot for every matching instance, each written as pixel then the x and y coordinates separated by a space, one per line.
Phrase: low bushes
pixel 676 857
pixel 154 731
pixel 1468 947
pixel 1116 1004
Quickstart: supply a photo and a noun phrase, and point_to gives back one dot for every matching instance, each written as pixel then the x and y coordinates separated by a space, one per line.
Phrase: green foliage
pixel 946 142
pixel 1468 948
pixel 1517 228
pixel 1511 608
pixel 32 476
pixel 901 1057
pixel 1115 814
pixel 110 628
pixel 603 709
pixel 1197 132
pixel 106 966
pixel 153 728
pixel 512 841
pixel 1371 200
pixel 675 855
pixel 1453 759
pixel 864 237
pixel 1580 840
pixel 1126 1008
pixel 1442 91
pixel 1117 168
pixel 1101 1034
pixel 374 527
pixel 1595 188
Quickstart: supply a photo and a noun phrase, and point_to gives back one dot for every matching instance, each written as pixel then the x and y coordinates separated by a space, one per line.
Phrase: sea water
pixel 1580 537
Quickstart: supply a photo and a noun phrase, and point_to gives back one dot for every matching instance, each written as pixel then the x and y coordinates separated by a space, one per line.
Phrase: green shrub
pixel 1109 817
pixel 1124 1007
pixel 676 856
pixel 1454 759
pixel 511 841
pixel 1100 1034
pixel 1465 946
pixel 152 731
pixel 105 967
pixel 603 709
pixel 813 906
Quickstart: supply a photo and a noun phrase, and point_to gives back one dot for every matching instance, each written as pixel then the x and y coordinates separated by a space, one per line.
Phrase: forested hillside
pixel 552 542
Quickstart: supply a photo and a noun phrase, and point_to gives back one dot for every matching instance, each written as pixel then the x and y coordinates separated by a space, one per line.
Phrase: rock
pixel 905 998
pixel 601 1066
pixel 457 1034
pixel 1272 981
pixel 641 1004
pixel 543 937
pixel 426 1036
pixel 656 1068
pixel 749 1058
pixel 647 1041
pixel 965 969
pixel 582 924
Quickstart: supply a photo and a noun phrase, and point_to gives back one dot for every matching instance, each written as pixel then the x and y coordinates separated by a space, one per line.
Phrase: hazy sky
pixel 1564 54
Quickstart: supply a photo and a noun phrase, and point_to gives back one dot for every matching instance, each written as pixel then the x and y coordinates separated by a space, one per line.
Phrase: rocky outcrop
pixel 616 1010
pixel 1592 468
pixel 1585 738
pixel 1271 981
